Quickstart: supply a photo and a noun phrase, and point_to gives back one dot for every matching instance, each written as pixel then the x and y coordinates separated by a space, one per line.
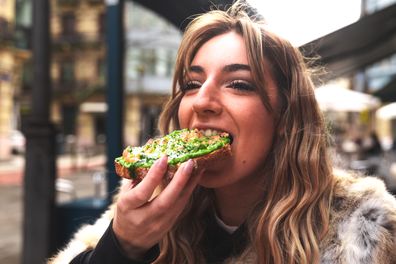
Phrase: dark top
pixel 217 245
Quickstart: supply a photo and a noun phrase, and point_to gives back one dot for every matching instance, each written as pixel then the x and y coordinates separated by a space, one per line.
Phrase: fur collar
pixel 363 223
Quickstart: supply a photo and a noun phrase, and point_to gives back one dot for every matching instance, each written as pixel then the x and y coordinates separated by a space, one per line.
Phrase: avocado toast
pixel 203 146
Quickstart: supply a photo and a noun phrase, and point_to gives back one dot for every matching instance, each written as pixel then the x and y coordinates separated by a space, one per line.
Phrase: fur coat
pixel 362 229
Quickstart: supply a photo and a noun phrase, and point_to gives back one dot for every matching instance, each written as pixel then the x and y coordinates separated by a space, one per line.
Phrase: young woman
pixel 276 200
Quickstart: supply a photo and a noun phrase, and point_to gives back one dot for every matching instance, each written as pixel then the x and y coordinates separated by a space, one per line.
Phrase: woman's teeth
pixel 209 132
pixel 212 132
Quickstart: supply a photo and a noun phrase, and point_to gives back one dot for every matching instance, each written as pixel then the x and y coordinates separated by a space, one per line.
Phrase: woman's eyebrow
pixel 236 67
pixel 196 69
pixel 228 68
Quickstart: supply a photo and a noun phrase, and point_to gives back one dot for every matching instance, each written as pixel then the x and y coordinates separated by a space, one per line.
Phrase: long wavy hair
pixel 289 223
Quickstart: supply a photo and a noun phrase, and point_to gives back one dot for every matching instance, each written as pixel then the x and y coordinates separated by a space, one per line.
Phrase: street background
pixel 76 174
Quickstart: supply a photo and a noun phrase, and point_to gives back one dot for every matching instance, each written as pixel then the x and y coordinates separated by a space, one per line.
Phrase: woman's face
pixel 220 95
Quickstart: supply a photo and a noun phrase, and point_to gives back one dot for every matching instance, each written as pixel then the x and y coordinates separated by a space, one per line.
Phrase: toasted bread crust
pixel 200 162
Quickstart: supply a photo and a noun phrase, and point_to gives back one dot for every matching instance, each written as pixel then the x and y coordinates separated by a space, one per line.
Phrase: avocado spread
pixel 179 146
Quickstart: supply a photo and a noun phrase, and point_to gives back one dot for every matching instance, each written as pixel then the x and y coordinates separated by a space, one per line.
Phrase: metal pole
pixel 40 168
pixel 115 88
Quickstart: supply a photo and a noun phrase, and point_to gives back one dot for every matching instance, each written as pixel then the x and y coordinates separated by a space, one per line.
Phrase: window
pixel 101 70
pixel 149 60
pixel 4 28
pixel 149 121
pixel 69 113
pixel 68 24
pixel 67 71
pixel 27 76
pixel 170 61
pixel 101 24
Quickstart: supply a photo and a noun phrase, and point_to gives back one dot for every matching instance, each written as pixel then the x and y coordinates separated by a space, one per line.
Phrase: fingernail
pixel 189 166
pixel 162 162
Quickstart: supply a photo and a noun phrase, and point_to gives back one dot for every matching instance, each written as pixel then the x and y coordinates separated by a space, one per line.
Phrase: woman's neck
pixel 234 203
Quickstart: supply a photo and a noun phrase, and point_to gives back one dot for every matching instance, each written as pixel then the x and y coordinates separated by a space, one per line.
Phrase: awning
pixel 178 12
pixel 356 46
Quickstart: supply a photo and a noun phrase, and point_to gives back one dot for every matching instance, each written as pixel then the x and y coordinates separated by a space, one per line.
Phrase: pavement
pixel 76 175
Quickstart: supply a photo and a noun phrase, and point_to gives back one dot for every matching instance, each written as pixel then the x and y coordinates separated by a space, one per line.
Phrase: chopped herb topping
pixel 179 146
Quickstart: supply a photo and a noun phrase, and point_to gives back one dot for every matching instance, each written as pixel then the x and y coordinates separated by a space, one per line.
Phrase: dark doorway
pixel 149 122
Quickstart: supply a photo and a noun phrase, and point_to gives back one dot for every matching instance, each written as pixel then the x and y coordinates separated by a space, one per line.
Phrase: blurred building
pixel 362 57
pixel 79 68
pixel 379 78
pixel 78 71
pixel 376 76
pixel 13 55
pixel 371 6
pixel 151 46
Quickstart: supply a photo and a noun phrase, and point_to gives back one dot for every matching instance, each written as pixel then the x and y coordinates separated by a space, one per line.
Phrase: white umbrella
pixel 387 111
pixel 337 98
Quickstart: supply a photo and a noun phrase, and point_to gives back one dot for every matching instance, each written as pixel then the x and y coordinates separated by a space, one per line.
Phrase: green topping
pixel 179 146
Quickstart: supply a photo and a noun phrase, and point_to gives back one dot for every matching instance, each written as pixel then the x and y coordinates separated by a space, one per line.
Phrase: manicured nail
pixel 189 166
pixel 162 162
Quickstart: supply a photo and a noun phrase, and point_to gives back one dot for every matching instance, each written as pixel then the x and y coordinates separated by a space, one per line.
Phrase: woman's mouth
pixel 213 132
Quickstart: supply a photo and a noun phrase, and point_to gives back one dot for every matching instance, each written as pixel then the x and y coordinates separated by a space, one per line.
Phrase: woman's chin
pixel 213 179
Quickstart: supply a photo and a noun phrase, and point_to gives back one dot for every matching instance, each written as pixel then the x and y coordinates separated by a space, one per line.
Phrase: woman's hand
pixel 139 223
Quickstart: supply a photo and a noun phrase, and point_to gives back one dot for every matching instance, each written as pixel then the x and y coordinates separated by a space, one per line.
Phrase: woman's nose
pixel 207 101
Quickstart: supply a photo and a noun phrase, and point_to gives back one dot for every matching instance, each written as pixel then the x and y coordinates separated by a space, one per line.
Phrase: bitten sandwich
pixel 203 146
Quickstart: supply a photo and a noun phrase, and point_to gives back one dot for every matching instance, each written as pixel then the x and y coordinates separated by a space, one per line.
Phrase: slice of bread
pixel 203 147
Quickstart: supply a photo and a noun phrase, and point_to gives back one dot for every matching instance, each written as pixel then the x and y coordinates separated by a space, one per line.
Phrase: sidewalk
pixel 77 170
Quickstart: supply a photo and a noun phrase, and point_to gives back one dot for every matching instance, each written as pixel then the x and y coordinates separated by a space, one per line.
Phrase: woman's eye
pixel 190 85
pixel 241 85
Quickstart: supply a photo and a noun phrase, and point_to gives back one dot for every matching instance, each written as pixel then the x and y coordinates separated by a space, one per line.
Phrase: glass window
pixel 148 60
pixel 68 24
pixel 67 71
pixel 101 70
pixel 372 6
pixel 101 24
pixel 381 73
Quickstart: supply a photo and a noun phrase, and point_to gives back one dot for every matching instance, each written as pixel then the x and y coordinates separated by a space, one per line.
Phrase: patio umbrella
pixel 387 112
pixel 339 99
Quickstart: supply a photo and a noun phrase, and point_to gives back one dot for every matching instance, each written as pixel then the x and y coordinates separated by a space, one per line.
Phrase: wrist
pixel 140 254
pixel 131 251
pixel 127 248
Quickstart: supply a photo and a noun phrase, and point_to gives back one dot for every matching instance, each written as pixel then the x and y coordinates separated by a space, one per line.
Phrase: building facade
pixel 12 59
pixel 151 47
pixel 378 76
pixel 79 69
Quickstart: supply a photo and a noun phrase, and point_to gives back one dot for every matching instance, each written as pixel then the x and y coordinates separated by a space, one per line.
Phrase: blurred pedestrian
pixel 277 200
pixel 372 145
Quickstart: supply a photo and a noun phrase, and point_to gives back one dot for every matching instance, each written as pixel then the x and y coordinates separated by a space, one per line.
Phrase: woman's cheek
pixel 182 113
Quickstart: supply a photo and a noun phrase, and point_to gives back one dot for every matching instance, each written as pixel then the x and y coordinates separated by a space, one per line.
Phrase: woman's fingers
pixel 141 224
pixel 176 188
pixel 142 192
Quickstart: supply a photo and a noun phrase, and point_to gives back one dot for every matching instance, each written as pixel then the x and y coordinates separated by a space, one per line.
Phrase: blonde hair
pixel 287 226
